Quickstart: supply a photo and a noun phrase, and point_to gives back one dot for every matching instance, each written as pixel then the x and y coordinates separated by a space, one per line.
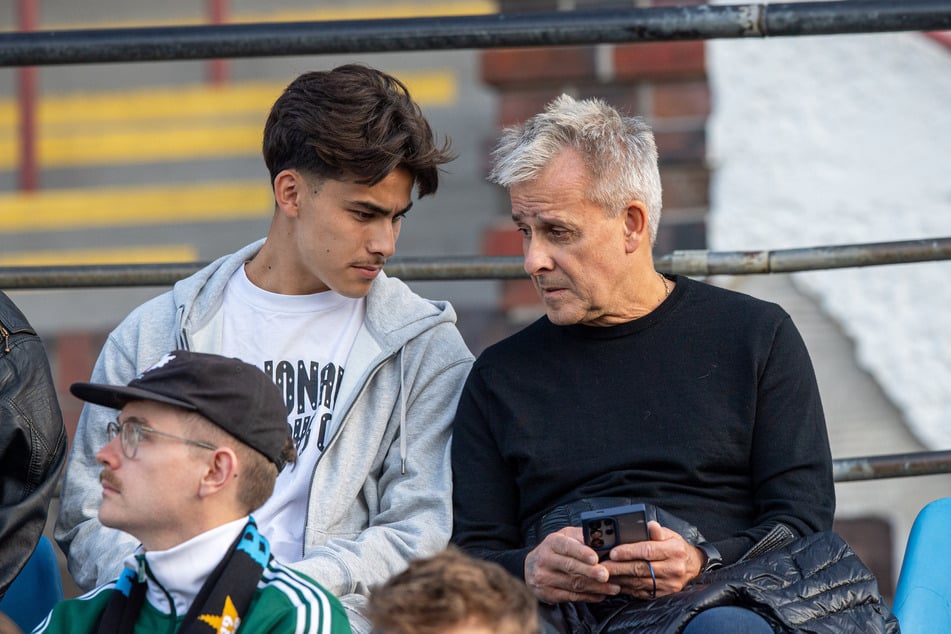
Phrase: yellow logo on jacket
pixel 227 623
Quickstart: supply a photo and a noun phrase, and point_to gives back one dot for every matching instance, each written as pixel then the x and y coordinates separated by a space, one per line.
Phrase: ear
pixel 289 186
pixel 635 226
pixel 221 470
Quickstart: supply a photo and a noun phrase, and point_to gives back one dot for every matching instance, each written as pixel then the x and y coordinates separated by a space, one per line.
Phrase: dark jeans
pixel 728 620
pixel 718 620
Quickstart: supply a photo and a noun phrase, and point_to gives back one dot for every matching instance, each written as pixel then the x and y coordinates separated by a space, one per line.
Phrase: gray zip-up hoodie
pixel 380 493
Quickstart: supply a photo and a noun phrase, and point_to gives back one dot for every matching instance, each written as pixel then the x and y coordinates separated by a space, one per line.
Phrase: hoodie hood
pixel 395 315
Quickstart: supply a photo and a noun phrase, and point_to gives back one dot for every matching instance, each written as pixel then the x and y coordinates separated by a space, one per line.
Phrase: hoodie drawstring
pixel 402 418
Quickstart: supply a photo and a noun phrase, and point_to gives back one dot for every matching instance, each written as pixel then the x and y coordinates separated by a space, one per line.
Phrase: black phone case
pixel 606 528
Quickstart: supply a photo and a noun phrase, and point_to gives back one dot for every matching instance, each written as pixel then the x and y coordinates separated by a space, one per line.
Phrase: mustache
pixel 109 479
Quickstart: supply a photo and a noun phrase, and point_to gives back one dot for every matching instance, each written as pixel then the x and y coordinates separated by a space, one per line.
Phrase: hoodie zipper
pixel 343 421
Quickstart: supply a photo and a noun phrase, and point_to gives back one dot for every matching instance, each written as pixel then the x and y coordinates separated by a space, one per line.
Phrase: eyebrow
pixel 541 219
pixel 383 211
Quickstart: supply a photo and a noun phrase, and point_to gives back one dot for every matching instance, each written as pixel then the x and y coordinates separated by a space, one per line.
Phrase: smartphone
pixel 606 528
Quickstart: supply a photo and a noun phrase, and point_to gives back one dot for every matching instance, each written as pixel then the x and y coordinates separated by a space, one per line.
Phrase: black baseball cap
pixel 234 395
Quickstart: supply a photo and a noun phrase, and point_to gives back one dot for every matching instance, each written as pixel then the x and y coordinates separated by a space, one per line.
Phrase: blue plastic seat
pixel 923 596
pixel 36 589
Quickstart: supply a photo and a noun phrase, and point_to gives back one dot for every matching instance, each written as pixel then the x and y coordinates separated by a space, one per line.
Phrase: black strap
pixel 127 598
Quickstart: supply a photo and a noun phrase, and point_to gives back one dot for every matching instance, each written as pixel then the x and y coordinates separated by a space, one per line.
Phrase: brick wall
pixel 665 82
pixel 72 356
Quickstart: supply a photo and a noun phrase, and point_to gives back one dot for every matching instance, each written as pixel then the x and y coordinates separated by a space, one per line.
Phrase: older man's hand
pixel 562 568
pixel 674 561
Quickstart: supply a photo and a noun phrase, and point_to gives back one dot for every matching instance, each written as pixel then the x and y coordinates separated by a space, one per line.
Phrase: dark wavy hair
pixel 353 123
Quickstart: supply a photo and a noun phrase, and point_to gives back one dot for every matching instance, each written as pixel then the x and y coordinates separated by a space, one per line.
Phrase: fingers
pixel 573 545
pixel 667 555
pixel 562 568
pixel 641 586
pixel 640 568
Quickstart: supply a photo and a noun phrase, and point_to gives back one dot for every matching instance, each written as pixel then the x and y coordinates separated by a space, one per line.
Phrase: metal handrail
pixel 891 466
pixel 482 267
pixel 560 28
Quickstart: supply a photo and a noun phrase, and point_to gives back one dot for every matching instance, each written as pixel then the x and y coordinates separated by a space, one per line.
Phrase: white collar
pixel 181 570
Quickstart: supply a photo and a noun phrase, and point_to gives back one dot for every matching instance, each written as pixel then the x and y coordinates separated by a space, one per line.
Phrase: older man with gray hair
pixel 695 404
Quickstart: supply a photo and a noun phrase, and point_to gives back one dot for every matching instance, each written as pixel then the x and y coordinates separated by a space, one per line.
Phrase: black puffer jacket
pixel 811 585
pixel 32 440
pixel 815 585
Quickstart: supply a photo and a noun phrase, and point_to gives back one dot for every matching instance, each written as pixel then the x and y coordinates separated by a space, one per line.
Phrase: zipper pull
pixel 6 338
pixel 142 568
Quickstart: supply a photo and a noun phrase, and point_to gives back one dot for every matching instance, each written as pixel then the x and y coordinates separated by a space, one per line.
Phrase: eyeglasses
pixel 130 433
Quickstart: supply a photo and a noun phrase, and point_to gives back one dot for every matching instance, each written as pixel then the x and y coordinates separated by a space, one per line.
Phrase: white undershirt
pixel 302 343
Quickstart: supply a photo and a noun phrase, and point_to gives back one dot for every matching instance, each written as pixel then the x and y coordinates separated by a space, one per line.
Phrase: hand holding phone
pixel 604 529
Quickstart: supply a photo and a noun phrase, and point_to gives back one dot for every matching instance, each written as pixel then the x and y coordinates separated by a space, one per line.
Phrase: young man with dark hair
pixel 370 372
pixel 196 448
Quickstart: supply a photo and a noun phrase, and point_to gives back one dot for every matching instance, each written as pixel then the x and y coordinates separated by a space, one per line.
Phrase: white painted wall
pixel 846 139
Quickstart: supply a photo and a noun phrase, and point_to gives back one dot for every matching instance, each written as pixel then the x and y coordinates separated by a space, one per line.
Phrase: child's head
pixel 451 593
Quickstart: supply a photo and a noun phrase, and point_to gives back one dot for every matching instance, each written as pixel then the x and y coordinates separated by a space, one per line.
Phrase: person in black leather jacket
pixel 32 440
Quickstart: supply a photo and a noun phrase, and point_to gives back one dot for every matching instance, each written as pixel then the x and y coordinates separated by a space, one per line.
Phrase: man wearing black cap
pixel 196 448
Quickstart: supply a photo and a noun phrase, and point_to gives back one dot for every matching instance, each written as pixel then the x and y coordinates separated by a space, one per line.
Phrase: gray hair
pixel 619 151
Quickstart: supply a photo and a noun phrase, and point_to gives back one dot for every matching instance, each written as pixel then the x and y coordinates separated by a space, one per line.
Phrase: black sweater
pixel 707 407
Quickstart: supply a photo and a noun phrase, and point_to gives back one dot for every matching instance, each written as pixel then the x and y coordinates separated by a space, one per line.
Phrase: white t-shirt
pixel 302 343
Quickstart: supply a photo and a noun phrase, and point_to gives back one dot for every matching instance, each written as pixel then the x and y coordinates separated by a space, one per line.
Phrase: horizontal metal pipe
pixel 465 267
pixel 702 263
pixel 94 276
pixel 484 267
pixel 891 466
pixel 94 46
